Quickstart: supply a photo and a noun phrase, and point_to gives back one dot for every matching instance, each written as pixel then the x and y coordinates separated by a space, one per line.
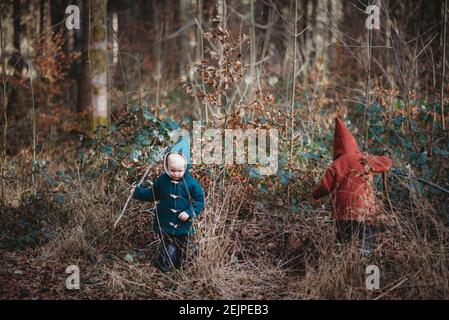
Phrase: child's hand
pixel 146 183
pixel 183 216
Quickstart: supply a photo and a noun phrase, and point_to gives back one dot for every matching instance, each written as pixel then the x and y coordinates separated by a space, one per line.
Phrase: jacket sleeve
pixel 379 164
pixel 147 194
pixel 326 185
pixel 197 196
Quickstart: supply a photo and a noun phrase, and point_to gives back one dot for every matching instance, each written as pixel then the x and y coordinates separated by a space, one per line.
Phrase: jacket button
pixel 173 225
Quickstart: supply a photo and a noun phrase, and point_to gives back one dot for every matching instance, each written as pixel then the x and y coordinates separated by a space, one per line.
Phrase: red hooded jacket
pixel 349 179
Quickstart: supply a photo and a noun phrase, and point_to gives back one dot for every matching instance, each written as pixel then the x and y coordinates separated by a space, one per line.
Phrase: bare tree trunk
pixel 157 53
pixel 42 13
pixel 122 23
pixel 16 60
pixel 304 21
pixel 367 87
pixel 113 33
pixel 313 32
pixel 295 60
pixel 389 55
pixel 45 19
pixel 98 56
pixel 4 122
pixel 84 80
pixel 171 47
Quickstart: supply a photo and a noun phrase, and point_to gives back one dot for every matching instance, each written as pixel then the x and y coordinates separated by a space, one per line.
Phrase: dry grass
pixel 245 251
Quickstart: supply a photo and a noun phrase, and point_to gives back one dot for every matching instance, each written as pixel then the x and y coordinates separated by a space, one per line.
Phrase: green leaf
pixel 62 176
pixel 259 205
pixel 49 179
pixel 107 149
pixel 284 176
pixel 148 115
pixel 170 124
pixel 121 154
pixel 112 128
pixel 129 258
pixel 135 154
pixel 253 172
pixel 134 108
pixel 145 142
pixel 61 199
pixel 262 189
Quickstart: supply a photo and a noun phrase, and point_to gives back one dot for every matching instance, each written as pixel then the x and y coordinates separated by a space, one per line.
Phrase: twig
pixel 292 106
pixel 5 116
pixel 132 189
pixel 384 176
pixel 5 177
pixel 433 185
pixel 33 179
pixel 294 83
pixel 428 182
pixel 391 289
pixel 444 67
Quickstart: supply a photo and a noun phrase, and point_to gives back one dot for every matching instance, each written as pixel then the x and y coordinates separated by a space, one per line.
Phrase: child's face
pixel 176 167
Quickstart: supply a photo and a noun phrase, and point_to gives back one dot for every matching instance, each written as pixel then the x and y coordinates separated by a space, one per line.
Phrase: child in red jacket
pixel 349 181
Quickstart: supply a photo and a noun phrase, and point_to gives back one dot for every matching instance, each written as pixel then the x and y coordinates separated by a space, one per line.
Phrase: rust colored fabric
pixel 349 179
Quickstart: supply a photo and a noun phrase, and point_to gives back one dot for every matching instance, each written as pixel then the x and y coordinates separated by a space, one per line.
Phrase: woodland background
pixel 85 111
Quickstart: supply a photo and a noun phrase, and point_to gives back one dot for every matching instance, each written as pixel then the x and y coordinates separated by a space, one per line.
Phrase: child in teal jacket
pixel 180 197
pixel 181 200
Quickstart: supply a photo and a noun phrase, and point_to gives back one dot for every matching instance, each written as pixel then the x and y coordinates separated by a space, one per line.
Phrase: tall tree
pixel 84 84
pixel 3 117
pixel 93 81
pixel 99 61
pixel 16 60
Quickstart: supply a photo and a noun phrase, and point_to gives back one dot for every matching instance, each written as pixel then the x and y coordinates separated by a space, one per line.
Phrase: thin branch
pixel 4 102
pixel 444 67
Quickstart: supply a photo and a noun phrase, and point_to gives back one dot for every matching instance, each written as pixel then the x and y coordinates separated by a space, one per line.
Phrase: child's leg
pixel 367 238
pixel 350 230
pixel 181 242
pixel 345 231
pixel 167 253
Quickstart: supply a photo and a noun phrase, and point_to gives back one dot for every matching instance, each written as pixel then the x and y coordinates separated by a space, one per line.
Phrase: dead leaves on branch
pixel 224 74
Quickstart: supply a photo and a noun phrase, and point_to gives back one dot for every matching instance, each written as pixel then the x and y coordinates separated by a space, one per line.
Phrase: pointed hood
pixel 182 147
pixel 344 142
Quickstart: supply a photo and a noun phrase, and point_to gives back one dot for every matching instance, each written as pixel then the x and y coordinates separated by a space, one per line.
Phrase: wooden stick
pixel 391 289
pixel 433 185
pixel 384 176
pixel 134 187
pixel 428 182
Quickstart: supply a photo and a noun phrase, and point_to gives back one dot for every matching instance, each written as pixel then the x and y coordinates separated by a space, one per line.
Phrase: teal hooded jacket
pixel 183 195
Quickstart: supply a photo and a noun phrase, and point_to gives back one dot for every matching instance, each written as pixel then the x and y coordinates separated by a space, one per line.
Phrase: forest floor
pixel 249 247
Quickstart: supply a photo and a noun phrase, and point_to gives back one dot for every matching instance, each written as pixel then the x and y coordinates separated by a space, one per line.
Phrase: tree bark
pixel 16 61
pixel 98 56
pixel 84 81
